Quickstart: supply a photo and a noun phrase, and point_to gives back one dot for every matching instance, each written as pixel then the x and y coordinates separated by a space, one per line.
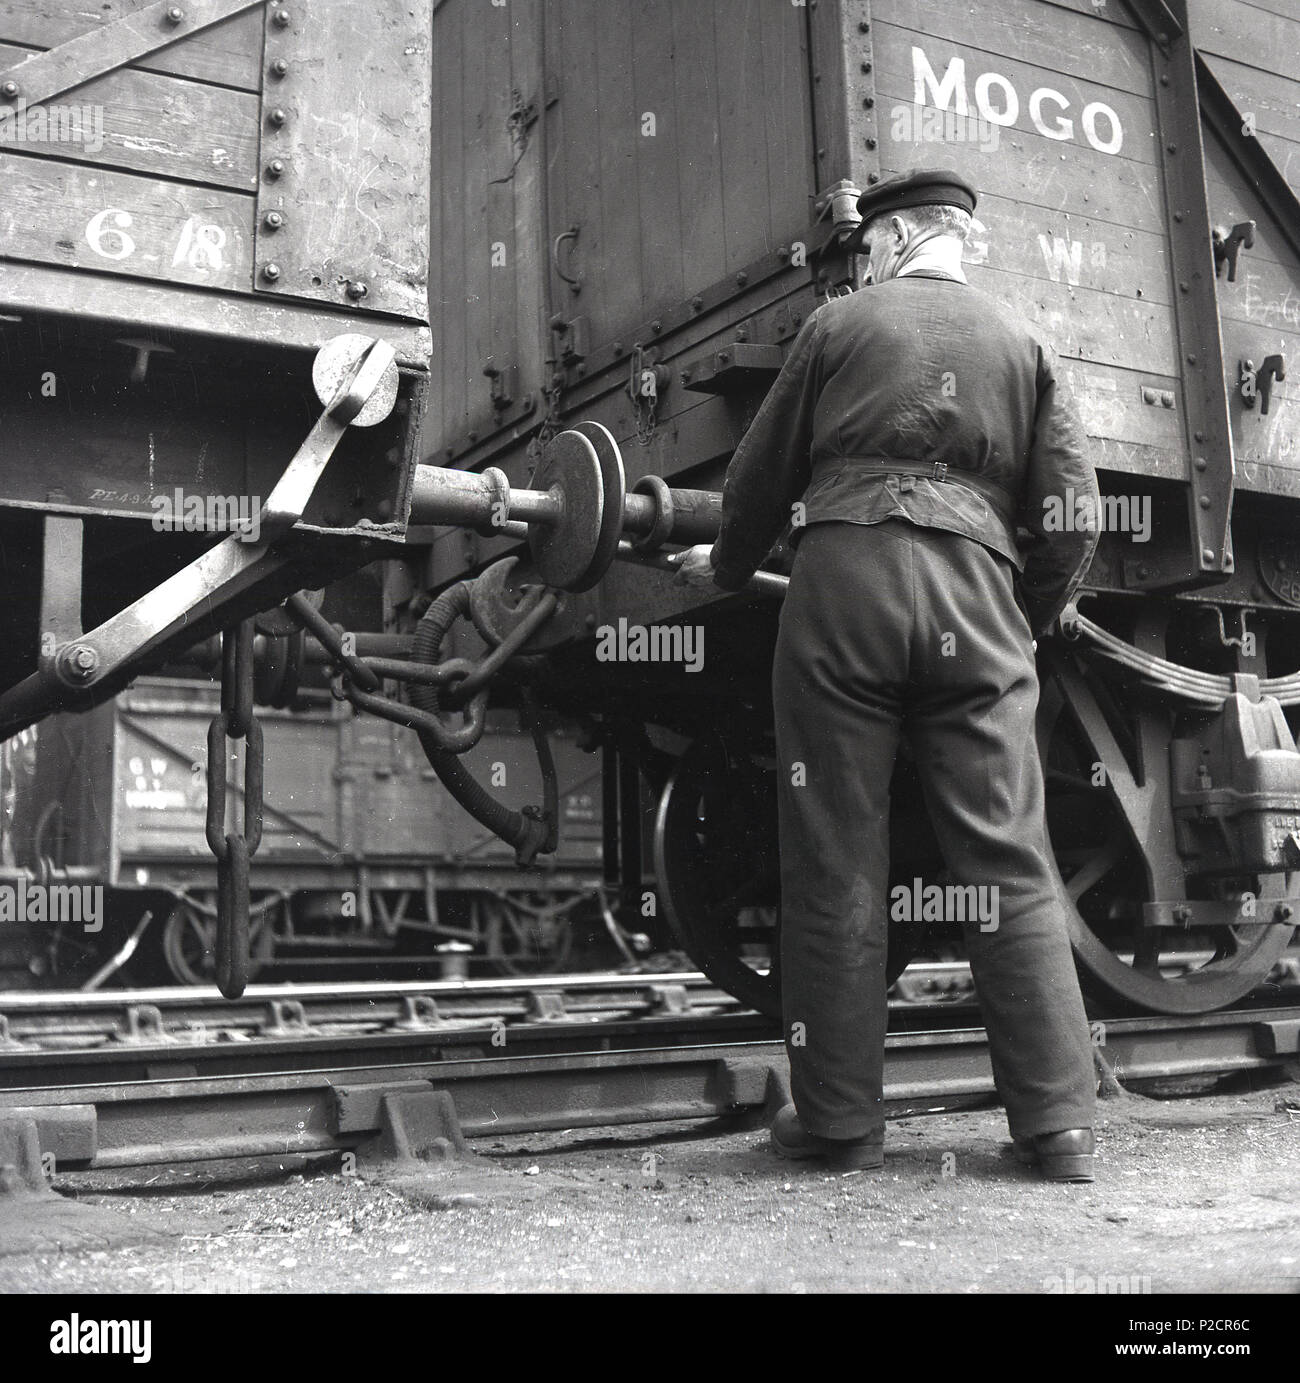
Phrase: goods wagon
pixel 636 207
pixel 364 857
pixel 213 319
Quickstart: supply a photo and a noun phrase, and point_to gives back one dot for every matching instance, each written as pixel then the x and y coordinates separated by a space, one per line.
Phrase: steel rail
pixel 173 1119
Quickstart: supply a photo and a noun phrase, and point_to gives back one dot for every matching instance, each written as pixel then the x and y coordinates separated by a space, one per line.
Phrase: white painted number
pixel 200 246
pixel 119 245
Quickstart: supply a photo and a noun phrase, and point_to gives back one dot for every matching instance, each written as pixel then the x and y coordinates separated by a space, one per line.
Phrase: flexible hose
pixel 524 833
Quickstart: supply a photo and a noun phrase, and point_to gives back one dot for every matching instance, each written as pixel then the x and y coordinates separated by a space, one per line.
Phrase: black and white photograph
pixel 649 647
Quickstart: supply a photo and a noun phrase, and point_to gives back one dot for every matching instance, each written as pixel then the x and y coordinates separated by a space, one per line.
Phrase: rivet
pixel 821 153
pixel 1201 463
pixel 868 102
pixel 175 14
pixel 279 67
pixel 656 326
pixel 1191 360
pixel 1178 216
pixel 357 290
pixel 1207 554
pixel 871 143
pixel 1183 288
pixel 863 27
pixel 866 67
pixel 275 168
pixel 1164 79
pixel 270 272
pixel 277 116
pixel 1171 148
pixel 1205 501
pixel 1199 437
pixel 273 220
pixel 10 90
pixel 873 177
pixel 742 279
pixel 281 18
pixel 783 254
pixel 472 436
pixel 618 348
pixel 697 304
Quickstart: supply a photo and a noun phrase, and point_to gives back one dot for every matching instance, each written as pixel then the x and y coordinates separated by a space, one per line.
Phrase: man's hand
pixel 695 566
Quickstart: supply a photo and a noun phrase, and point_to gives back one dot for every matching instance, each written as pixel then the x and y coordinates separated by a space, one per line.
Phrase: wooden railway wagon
pixel 365 860
pixel 213 309
pixel 636 205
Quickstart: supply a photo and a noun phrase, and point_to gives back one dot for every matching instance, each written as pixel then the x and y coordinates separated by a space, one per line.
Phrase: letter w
pixel 1062 257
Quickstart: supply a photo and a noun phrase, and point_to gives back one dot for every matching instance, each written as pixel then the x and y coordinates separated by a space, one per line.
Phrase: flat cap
pixel 924 187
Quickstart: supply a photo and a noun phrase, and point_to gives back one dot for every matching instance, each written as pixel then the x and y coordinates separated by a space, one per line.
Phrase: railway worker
pixel 912 427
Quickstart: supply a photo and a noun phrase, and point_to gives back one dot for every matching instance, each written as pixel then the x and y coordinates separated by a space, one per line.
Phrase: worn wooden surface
pixel 676 136
pixel 165 126
pixel 229 53
pixel 68 214
pixel 51 73
pixel 1254 50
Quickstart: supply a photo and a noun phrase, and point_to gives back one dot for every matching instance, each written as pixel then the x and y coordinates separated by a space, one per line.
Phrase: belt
pixel 1002 500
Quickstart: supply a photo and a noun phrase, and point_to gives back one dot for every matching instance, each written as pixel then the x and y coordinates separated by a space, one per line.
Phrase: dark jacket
pixel 920 369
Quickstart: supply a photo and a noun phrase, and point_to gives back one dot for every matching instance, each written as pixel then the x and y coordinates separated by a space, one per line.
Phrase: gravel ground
pixel 1192 1195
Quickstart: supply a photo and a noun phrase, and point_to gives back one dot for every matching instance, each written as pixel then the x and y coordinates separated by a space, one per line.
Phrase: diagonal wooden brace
pixel 107 47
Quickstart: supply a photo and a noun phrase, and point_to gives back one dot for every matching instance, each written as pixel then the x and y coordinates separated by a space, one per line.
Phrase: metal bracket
pixel 738 366
pixel 571 339
pixel 1227 244
pixel 505 383
pixel 1258 384
pixel 107 47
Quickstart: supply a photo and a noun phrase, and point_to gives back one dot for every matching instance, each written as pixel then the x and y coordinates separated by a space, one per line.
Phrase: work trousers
pixel 893 629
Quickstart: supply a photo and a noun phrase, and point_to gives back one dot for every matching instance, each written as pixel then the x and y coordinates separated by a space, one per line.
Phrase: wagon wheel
pixel 189 938
pixel 1127 965
pixel 527 933
pixel 718 870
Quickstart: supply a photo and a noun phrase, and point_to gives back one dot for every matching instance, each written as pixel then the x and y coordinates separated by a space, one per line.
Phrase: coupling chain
pixel 235 848
pixel 360 680
pixel 644 389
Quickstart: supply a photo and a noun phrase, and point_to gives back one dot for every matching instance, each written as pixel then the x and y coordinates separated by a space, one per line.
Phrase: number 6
pixel 96 231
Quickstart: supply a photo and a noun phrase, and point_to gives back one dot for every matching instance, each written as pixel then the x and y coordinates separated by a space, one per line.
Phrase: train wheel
pixel 1110 868
pixel 527 933
pixel 189 938
pixel 718 870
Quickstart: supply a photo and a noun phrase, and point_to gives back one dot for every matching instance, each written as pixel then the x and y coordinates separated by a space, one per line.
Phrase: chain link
pixel 234 849
pixel 646 419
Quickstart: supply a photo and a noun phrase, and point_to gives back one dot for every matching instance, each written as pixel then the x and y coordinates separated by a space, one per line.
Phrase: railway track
pixel 172 1076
